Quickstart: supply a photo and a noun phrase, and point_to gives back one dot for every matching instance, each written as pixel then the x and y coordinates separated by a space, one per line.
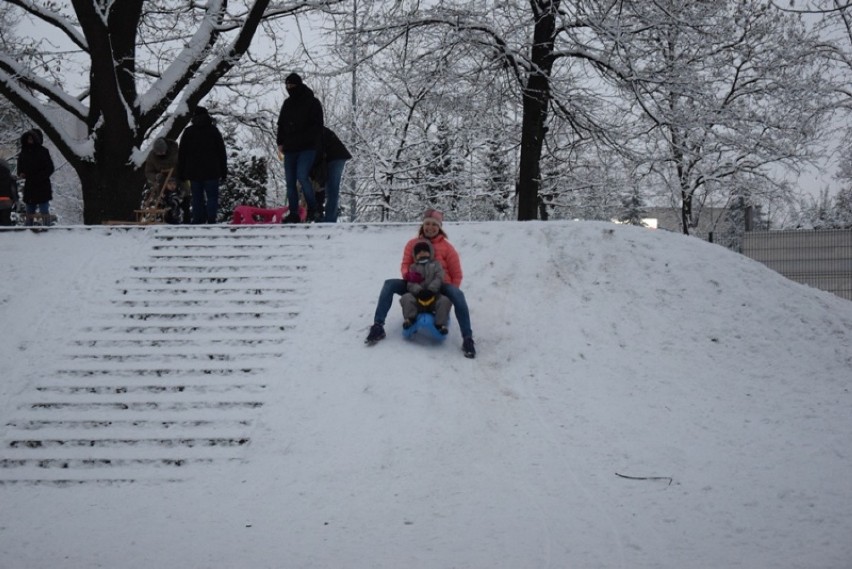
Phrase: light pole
pixel 353 127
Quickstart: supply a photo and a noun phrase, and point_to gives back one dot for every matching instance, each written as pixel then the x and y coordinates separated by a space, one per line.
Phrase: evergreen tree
pixel 816 213
pixel 633 208
pixel 246 183
pixel 735 224
pixel 549 186
pixel 843 208
pixel 498 182
pixel 440 179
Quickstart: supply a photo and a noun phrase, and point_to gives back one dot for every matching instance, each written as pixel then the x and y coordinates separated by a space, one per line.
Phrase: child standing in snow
pixel 424 279
pixel 172 201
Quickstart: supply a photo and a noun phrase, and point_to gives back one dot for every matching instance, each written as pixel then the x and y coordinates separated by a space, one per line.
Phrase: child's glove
pixel 413 277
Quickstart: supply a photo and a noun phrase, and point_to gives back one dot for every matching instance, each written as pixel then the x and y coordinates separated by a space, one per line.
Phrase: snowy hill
pixel 202 397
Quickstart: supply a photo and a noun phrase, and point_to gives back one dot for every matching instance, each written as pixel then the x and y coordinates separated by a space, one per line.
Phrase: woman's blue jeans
pixel 398 286
pixel 43 208
pixel 297 167
pixel 332 189
pixel 205 201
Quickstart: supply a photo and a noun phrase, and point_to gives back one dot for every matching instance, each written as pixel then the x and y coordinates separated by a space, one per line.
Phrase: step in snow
pixel 167 378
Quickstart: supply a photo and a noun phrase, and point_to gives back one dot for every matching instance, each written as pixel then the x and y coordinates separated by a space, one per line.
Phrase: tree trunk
pixel 110 194
pixel 112 186
pixel 536 101
pixel 532 142
pixel 686 210
pixel 682 178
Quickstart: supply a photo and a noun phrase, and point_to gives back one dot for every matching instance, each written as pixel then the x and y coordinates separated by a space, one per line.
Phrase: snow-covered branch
pixel 184 65
pixel 21 83
pixel 55 19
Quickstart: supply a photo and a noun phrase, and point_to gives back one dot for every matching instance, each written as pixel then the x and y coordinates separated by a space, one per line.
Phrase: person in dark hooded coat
pixel 35 167
pixel 299 138
pixel 327 173
pixel 203 160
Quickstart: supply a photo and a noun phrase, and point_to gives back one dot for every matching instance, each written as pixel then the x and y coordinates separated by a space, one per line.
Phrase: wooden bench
pixel 149 215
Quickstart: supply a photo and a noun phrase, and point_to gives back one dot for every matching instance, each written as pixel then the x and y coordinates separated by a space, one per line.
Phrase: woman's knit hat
pixel 435 216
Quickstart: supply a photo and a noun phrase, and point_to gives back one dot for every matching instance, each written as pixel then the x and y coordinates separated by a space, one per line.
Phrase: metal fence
pixel 821 259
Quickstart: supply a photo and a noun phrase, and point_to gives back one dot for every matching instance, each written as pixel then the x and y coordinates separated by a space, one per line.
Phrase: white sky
pixel 602 349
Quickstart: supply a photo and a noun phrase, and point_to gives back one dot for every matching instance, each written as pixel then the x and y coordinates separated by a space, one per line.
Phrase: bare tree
pixel 689 93
pixel 12 121
pixel 419 116
pixel 539 49
pixel 833 21
pixel 724 91
pixel 145 66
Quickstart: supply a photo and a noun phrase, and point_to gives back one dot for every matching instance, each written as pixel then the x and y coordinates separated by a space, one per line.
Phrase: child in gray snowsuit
pixel 172 201
pixel 424 279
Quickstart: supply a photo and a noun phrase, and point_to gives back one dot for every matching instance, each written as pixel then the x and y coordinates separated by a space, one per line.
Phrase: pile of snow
pixel 640 399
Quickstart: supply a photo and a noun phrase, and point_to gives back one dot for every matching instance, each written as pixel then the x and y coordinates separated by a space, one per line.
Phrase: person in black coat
pixel 8 193
pixel 203 161
pixel 328 171
pixel 299 137
pixel 35 167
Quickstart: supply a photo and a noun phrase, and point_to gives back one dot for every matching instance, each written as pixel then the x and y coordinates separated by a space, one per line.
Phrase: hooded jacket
pixel 35 167
pixel 332 147
pixel 201 152
pixel 431 273
pixel 300 122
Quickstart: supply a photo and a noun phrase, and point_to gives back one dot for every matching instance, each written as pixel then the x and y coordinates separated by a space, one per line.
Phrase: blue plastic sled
pixel 426 322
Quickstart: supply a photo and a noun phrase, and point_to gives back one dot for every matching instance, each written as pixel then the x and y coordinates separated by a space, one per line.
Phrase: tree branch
pixel 54 19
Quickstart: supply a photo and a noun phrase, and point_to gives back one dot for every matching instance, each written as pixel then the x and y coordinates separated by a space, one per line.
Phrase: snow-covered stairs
pixel 168 378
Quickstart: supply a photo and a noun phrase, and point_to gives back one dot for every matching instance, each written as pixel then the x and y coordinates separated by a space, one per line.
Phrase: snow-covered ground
pixel 203 398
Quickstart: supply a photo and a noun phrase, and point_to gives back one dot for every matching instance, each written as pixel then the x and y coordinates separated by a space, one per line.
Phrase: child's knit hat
pixel 421 246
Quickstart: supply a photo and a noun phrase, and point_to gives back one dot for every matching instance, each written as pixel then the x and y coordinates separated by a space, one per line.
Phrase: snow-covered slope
pixel 202 397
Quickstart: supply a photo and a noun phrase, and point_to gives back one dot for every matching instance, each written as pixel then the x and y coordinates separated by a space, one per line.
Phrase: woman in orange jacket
pixel 444 252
